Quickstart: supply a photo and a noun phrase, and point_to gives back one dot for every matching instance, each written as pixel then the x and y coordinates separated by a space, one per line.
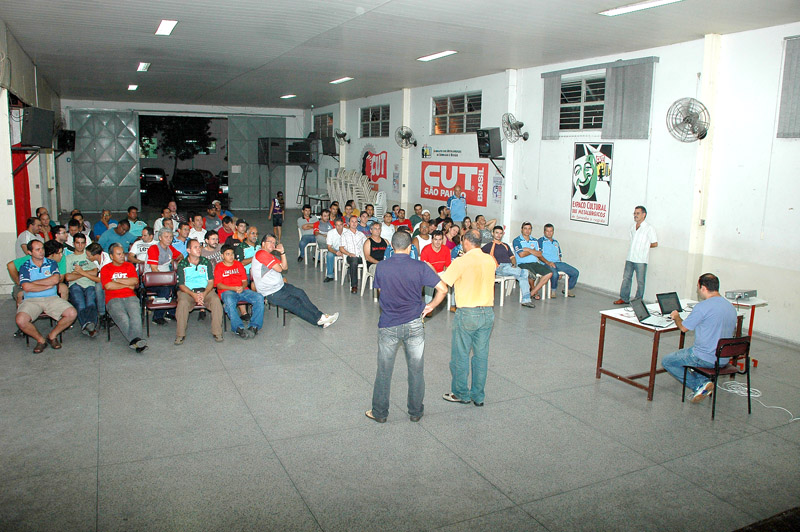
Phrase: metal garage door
pixel 105 164
pixel 253 186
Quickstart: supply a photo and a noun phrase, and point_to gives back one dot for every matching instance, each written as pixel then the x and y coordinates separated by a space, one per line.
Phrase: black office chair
pixel 733 348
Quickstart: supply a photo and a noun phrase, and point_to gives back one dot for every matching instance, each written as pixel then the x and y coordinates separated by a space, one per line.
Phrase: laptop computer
pixel 668 302
pixel 644 316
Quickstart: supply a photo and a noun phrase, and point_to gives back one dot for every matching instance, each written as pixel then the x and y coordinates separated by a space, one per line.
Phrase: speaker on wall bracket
pixel 489 146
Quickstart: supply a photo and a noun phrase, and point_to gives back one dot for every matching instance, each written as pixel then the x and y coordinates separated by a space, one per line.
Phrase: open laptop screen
pixel 668 302
pixel 639 309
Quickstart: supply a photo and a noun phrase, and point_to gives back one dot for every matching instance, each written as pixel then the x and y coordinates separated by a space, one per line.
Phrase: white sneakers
pixel 327 320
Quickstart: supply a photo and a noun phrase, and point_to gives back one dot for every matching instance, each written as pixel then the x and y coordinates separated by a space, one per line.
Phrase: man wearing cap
pixel 221 213
pixel 212 222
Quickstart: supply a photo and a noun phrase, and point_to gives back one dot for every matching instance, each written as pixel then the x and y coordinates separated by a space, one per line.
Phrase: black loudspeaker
pixel 329 146
pixel 65 141
pixel 37 127
pixel 489 143
pixel 271 150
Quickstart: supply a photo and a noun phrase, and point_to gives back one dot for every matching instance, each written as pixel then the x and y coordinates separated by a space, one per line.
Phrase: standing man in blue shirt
pixel 711 319
pixel 551 251
pixel 457 203
pixel 400 280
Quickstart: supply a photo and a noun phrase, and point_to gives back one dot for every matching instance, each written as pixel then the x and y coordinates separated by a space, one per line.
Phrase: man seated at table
pixel 119 280
pixel 120 234
pixel 306 225
pixel 529 257
pixel 551 250
pixel 711 319
pixel 196 287
pixel 333 242
pixel 267 274
pixel 507 264
pixel 230 278
pixel 39 279
pixel 82 292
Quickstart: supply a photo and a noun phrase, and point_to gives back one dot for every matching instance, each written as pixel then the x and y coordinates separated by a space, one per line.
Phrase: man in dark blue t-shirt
pixel 400 280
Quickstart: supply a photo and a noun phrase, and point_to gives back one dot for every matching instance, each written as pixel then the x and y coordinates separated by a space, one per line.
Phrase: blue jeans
pixel 566 268
pixel 330 261
pixel 296 301
pixel 412 336
pixel 231 299
pixel 126 313
pixel 85 302
pixel 307 239
pixel 100 302
pixel 521 276
pixel 627 277
pixel 471 330
pixel 674 363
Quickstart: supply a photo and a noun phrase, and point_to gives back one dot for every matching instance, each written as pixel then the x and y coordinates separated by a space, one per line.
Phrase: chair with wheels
pixel 733 349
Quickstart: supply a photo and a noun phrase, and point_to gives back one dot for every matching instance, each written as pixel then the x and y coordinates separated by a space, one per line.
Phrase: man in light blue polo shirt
pixel 136 224
pixel 120 234
pixel 711 319
pixel 457 203
pixel 526 250
pixel 551 251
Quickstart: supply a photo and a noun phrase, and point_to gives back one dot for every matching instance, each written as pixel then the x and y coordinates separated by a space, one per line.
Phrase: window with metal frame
pixel 323 125
pixel 582 103
pixel 375 121
pixel 457 113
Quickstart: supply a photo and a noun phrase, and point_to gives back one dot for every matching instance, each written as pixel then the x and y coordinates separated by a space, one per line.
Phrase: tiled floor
pixel 270 434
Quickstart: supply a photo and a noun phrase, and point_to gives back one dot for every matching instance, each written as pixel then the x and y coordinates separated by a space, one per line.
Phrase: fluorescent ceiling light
pixel 287 96
pixel 142 67
pixel 133 87
pixel 340 80
pixel 630 8
pixel 437 55
pixel 166 27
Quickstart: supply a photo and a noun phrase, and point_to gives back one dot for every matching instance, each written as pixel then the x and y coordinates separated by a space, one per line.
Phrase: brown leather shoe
pixel 354 290
pixel 620 302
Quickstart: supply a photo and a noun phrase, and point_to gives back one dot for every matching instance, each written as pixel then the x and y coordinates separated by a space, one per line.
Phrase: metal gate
pixel 105 164
pixel 253 185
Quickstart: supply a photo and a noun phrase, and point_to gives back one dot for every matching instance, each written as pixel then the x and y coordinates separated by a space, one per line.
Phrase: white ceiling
pixel 249 52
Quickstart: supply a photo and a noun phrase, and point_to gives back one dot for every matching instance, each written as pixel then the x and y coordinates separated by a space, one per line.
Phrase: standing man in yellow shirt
pixel 473 277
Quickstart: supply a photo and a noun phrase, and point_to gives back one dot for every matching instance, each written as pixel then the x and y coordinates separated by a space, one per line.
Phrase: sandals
pixel 40 346
pixel 537 297
pixel 54 343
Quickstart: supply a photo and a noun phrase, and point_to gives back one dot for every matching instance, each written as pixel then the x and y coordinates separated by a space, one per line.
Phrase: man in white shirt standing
pixel 643 237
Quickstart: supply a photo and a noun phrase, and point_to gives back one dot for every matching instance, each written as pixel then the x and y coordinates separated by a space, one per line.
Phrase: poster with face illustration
pixel 591 182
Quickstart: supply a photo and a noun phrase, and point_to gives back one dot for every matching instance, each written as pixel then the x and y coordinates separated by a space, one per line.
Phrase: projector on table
pixel 740 294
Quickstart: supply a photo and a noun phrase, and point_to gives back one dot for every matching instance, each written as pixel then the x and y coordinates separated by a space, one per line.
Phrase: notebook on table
pixel 668 302
pixel 645 318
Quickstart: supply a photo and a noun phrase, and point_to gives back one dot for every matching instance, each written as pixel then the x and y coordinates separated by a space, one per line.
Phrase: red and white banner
pixel 439 178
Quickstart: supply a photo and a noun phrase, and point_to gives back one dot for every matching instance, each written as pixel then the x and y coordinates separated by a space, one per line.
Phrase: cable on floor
pixel 740 389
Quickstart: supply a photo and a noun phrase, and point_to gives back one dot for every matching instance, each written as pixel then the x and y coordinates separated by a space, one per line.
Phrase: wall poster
pixel 439 178
pixel 591 182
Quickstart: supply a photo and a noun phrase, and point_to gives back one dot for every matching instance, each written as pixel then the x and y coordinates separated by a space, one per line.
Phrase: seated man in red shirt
pixel 231 281
pixel 437 255
pixel 119 279
pixel 401 220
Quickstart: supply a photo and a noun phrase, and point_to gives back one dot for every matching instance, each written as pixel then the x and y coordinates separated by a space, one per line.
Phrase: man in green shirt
pixel 196 287
pixel 82 293
pixel 247 250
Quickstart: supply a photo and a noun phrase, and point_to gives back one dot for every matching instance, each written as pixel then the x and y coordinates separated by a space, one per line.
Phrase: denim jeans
pixel 412 336
pixel 352 269
pixel 471 330
pixel 330 261
pixel 296 301
pixel 674 363
pixel 100 295
pixel 627 277
pixel 521 275
pixel 85 302
pixel 126 313
pixel 230 300
pixel 566 268
pixel 307 239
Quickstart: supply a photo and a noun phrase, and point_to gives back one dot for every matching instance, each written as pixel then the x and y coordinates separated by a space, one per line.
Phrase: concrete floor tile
pixel 238 488
pixel 60 502
pixel 508 520
pixel 385 477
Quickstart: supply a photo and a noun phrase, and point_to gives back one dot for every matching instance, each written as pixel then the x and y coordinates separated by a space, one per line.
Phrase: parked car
pixel 153 185
pixel 189 187
pixel 222 191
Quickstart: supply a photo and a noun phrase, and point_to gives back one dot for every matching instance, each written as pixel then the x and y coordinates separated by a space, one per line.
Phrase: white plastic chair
pixel 506 283
pixel 566 285
pixel 309 245
pixel 344 268
pixel 367 275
